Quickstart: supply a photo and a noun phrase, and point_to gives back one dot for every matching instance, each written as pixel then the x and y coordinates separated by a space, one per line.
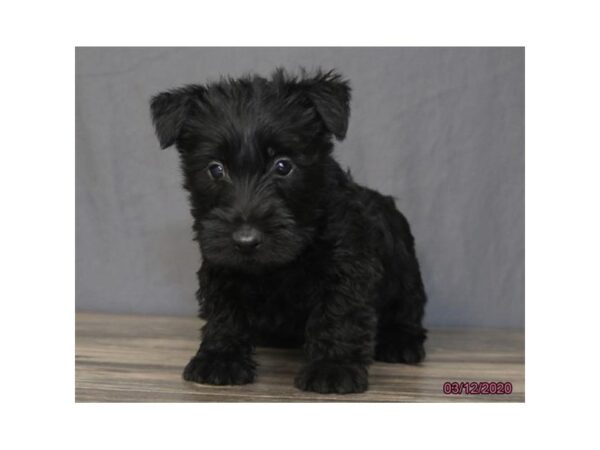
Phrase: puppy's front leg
pixel 225 354
pixel 339 342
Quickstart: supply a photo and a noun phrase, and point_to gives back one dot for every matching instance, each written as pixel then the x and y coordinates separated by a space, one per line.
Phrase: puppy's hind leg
pixel 400 333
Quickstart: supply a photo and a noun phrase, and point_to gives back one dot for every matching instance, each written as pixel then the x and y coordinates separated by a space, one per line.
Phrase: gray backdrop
pixel 442 129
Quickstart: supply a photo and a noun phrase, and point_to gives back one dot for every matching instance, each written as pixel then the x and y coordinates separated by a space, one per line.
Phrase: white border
pixel 37 227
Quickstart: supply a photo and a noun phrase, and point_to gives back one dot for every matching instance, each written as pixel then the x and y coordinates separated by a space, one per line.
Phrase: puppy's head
pixel 254 153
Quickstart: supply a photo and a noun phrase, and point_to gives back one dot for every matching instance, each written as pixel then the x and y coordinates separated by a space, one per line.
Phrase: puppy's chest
pixel 286 296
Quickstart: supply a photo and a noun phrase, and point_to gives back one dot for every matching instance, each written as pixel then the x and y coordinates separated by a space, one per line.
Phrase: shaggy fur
pixel 295 253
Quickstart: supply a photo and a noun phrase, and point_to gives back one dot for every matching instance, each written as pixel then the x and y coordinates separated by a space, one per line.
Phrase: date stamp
pixel 477 388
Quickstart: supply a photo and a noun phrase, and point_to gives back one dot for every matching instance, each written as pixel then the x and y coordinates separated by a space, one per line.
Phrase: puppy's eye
pixel 283 166
pixel 216 170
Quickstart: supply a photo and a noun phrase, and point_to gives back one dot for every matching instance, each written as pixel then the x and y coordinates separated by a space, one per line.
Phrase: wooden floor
pixel 140 359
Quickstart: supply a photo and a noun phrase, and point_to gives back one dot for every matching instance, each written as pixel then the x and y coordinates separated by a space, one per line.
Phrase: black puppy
pixel 294 252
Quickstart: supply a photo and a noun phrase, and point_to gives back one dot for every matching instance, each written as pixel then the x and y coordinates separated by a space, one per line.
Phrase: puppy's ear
pixel 330 94
pixel 170 110
pixel 327 92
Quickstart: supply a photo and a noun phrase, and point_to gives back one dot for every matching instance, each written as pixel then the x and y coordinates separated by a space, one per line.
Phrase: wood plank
pixel 121 358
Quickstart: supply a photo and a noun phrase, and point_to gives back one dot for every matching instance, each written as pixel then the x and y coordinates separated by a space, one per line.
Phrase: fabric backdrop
pixel 441 129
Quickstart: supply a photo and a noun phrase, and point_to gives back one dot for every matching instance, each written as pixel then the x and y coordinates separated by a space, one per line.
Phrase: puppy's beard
pixel 277 249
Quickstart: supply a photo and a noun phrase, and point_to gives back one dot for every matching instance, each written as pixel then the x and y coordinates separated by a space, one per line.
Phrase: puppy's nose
pixel 246 238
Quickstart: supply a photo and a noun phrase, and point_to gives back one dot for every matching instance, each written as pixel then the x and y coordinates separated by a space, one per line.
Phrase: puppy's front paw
pixel 220 369
pixel 332 378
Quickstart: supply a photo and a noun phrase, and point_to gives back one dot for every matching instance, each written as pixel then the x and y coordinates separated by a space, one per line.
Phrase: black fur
pixel 332 265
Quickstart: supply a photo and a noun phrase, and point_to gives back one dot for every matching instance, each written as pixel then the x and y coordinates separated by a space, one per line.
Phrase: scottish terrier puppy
pixel 295 253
